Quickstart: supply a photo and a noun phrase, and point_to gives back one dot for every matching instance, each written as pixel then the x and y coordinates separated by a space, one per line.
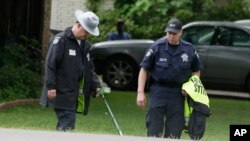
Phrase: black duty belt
pixel 168 84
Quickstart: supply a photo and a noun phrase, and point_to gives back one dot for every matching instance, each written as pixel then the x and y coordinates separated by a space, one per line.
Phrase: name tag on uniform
pixel 163 59
pixel 72 52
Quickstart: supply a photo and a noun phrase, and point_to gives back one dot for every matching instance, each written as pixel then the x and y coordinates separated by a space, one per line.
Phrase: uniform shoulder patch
pixel 56 40
pixel 197 54
pixel 149 53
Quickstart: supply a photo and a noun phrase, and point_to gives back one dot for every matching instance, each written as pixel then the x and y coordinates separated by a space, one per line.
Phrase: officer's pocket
pixel 185 65
pixel 162 66
pixel 162 71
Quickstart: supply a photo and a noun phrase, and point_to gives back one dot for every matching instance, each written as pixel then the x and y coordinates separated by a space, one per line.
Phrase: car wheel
pixel 121 73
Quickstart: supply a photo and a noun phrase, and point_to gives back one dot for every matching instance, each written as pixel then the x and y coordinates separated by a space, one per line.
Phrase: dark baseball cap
pixel 174 25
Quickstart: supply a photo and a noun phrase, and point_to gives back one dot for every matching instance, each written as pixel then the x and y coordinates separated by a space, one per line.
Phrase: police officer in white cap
pixel 68 61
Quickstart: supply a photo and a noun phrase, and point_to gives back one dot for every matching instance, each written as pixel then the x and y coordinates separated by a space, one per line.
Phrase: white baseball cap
pixel 89 21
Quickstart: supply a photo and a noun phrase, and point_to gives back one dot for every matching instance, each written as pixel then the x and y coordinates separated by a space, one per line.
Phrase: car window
pixel 223 36
pixel 241 38
pixel 201 35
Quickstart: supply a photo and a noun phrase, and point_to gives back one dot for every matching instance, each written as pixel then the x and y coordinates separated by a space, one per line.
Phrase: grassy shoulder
pixel 130 118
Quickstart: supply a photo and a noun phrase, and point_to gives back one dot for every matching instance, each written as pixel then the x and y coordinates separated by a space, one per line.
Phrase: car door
pixel 201 37
pixel 228 55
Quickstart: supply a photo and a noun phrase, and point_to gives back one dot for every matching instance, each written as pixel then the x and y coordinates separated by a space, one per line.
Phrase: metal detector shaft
pixel 112 115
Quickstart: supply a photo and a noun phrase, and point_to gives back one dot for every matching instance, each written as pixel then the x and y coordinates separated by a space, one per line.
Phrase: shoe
pixel 64 129
pixel 60 129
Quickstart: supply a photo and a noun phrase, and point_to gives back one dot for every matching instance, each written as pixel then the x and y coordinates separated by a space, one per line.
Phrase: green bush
pixel 24 52
pixel 18 83
pixel 18 91
pixel 20 70
pixel 235 10
pixel 137 30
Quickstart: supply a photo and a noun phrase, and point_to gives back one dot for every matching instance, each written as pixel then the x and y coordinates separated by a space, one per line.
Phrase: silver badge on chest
pixel 184 57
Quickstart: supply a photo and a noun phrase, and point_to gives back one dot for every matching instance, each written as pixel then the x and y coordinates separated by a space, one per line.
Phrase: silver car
pixel 245 22
pixel 224 48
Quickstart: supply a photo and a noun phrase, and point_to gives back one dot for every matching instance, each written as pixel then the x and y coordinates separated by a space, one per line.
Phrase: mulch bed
pixel 18 102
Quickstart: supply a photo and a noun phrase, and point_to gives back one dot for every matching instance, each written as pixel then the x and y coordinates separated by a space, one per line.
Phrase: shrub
pixel 18 91
pixel 23 52
pixel 18 83
pixel 20 70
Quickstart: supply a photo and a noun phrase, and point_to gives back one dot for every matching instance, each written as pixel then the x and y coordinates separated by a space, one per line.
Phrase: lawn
pixel 130 118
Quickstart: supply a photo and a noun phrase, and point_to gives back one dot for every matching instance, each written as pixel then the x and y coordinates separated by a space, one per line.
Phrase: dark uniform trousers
pixel 165 104
pixel 66 119
pixel 169 66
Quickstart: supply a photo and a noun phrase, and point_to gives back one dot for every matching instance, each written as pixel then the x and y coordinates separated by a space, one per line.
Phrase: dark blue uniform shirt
pixel 169 68
pixel 116 36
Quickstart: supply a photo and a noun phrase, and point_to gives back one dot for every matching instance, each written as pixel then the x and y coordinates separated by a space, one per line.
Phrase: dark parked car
pixel 117 61
pixel 224 48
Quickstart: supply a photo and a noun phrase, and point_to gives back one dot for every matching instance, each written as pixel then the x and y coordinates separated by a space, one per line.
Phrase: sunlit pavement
pixel 7 134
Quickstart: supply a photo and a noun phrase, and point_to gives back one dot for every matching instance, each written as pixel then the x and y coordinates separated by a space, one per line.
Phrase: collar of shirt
pixel 69 33
pixel 163 42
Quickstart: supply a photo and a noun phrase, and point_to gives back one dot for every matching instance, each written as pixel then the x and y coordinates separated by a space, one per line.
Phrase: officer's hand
pixel 51 94
pixel 141 100
pixel 95 93
pixel 184 93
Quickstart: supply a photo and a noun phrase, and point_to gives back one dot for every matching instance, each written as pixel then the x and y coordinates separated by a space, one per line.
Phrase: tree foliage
pixel 93 5
pixel 236 9
pixel 147 19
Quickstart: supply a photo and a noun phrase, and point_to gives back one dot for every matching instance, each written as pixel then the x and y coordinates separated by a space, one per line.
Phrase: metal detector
pixel 102 92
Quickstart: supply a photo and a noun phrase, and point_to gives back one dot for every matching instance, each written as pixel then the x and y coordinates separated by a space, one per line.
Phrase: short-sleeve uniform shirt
pixel 170 66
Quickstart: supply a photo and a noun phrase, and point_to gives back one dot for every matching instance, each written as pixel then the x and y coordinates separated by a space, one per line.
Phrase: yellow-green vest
pixel 195 89
pixel 80 98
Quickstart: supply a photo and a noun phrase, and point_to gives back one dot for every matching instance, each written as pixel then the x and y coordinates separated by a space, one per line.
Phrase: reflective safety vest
pixel 187 112
pixel 195 89
pixel 81 86
pixel 196 107
pixel 80 98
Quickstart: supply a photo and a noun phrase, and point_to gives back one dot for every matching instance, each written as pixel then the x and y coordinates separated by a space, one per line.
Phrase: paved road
pixel 35 135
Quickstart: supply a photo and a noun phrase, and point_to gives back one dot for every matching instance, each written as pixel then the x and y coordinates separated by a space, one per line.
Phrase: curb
pixel 36 135
pixel 18 102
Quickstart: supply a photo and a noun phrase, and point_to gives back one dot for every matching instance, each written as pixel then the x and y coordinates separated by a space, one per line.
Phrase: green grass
pixel 130 118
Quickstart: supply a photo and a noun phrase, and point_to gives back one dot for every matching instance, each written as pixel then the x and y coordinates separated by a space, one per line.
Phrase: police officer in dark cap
pixel 168 63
